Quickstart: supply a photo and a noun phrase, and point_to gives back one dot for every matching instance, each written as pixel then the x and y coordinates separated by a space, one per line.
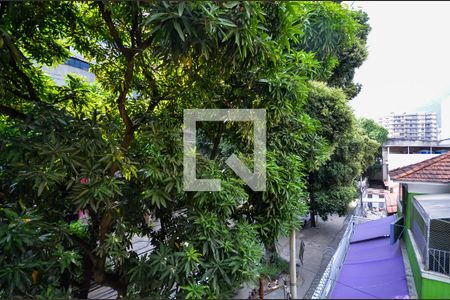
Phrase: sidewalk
pixel 320 245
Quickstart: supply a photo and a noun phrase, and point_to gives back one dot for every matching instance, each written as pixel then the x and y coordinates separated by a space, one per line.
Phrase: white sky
pixel 409 57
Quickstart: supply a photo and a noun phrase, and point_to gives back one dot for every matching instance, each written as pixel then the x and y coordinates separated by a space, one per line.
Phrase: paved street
pixel 320 244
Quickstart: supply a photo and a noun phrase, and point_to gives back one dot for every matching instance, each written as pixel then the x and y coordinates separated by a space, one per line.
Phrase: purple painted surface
pixel 372 268
pixel 373 229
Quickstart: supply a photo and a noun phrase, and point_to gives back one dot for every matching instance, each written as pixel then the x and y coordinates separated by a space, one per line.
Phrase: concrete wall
pixel 427 188
pixel 429 285
pixel 401 160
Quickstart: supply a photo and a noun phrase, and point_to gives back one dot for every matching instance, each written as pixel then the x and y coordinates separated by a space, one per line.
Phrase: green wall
pixel 415 267
pixel 426 288
pixel 434 289
pixel 409 206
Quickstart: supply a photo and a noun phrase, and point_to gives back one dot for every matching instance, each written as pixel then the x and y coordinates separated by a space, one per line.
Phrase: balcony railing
pixel 439 261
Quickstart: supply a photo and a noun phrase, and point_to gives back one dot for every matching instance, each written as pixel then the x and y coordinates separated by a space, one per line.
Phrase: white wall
pixel 401 160
pixel 59 73
pixel 428 188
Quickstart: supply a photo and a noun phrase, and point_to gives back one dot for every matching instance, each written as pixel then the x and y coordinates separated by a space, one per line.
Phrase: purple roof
pixel 373 268
pixel 373 229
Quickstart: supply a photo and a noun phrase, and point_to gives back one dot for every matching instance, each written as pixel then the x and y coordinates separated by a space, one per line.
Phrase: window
pixel 77 63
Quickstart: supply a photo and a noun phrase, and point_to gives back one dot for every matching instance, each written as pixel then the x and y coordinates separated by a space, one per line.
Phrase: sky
pixel 409 57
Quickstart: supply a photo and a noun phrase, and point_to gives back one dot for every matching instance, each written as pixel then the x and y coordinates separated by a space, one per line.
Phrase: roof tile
pixel 436 169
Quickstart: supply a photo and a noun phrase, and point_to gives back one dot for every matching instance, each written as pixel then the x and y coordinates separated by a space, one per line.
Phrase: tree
pixel 333 186
pixel 373 130
pixel 329 106
pixel 341 49
pixel 112 149
pixel 379 134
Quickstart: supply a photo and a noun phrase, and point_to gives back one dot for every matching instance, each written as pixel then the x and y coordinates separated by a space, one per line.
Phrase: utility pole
pixel 292 266
pixel 361 191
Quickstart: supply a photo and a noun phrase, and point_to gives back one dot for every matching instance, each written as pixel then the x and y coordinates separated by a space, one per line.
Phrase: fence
pixel 331 273
pixel 431 238
pixel 419 228
pixel 439 261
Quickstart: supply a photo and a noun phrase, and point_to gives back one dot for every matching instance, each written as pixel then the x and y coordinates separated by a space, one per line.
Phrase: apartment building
pixel 445 119
pixel 76 64
pixel 413 126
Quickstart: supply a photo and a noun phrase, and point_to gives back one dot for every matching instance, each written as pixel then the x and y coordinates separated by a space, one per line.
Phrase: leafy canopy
pixel 113 149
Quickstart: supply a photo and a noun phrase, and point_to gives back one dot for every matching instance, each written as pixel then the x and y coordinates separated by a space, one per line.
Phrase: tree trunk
pixel 87 276
pixel 313 219
pixel 261 288
pixel 272 252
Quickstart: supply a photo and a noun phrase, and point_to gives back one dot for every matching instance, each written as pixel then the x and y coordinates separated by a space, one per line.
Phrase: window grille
pixel 432 239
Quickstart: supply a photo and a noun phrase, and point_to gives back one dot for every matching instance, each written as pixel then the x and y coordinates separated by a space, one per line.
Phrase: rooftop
pixel 434 170
pixel 373 267
pixel 435 206
pixel 415 143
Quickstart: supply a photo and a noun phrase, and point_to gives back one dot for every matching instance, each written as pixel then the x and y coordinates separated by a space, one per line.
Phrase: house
pixel 399 153
pixel 374 203
pixel 424 204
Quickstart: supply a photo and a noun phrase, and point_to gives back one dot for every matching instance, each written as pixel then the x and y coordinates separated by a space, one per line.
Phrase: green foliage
pixel 379 134
pixel 273 269
pixel 352 57
pixel 78 228
pixel 114 148
pixel 333 186
pixel 36 259
pixel 373 130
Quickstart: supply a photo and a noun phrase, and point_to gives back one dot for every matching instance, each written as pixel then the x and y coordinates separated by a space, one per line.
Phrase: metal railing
pixel 439 261
pixel 331 273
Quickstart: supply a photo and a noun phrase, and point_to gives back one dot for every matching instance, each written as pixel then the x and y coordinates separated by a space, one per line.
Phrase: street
pixel 320 243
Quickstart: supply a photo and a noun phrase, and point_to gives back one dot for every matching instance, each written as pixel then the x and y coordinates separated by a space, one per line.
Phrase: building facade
pixel 76 64
pixel 445 119
pixel 398 153
pixel 424 207
pixel 415 126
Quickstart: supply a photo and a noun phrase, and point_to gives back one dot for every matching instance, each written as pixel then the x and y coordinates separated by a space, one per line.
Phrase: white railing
pixel 331 273
pixel 439 261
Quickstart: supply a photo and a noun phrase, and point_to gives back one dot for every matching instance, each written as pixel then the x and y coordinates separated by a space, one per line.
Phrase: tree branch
pixel 85 247
pixel 12 112
pixel 106 15
pixel 129 126
pixel 216 142
pixel 17 59
pixel 134 24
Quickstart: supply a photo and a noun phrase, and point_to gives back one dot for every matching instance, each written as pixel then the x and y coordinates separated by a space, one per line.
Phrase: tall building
pixel 76 64
pixel 414 126
pixel 445 119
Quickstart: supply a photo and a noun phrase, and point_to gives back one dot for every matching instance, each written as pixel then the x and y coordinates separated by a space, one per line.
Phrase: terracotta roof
pixel 436 169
